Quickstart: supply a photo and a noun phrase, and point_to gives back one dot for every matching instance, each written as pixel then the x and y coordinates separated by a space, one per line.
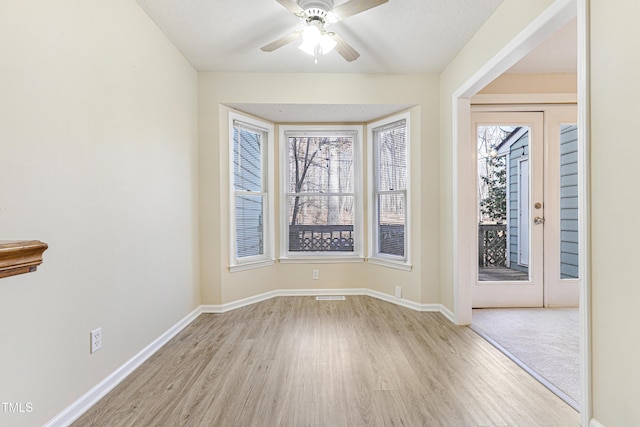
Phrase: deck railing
pixel 391 239
pixel 333 237
pixel 492 245
pixel 321 238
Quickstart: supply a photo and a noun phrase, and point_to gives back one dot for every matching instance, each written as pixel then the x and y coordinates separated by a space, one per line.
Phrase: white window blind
pixel 250 190
pixel 390 190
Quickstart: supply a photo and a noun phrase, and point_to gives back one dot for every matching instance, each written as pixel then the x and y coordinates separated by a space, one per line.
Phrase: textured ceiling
pixel 398 37
pixel 401 36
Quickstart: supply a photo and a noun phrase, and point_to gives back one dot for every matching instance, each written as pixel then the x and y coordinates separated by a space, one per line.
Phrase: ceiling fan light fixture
pixel 315 40
pixel 331 18
pixel 315 16
pixel 311 34
pixel 327 43
pixel 316 8
pixel 308 48
pixel 316 43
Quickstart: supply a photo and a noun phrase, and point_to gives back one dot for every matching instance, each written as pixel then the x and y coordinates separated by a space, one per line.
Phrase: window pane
pixel 391 222
pixel 392 157
pixel 569 202
pixel 247 166
pixel 390 153
pixel 321 223
pixel 503 202
pixel 321 210
pixel 321 164
pixel 249 231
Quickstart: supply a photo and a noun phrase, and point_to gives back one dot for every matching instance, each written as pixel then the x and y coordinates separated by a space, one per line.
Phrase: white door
pixel 510 196
pixel 562 169
pixel 528 175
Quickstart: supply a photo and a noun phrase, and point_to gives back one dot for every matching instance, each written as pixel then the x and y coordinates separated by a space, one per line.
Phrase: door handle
pixel 538 220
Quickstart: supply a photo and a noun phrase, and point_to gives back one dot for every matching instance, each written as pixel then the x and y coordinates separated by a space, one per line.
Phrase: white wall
pixel 98 149
pixel 615 203
pixel 507 21
pixel 221 286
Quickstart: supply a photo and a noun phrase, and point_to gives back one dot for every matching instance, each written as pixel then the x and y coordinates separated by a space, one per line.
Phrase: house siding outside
pixel 569 202
pixel 518 151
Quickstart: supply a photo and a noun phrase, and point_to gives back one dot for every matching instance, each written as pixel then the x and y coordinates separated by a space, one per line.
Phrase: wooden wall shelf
pixel 20 256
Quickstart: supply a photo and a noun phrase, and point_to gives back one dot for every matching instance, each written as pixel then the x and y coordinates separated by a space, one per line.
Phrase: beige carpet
pixel 544 341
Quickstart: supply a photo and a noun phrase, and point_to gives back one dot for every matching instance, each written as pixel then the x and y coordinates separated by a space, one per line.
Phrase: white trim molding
pixel 390 263
pixel 595 423
pixel 524 98
pixel 584 117
pixel 356 131
pixel 224 308
pixel 90 398
pixel 267 192
pixel 86 401
pixel 374 255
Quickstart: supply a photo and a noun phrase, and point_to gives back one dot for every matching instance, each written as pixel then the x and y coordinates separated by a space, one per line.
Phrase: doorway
pixel 509 181
pixel 527 206
pixel 528 249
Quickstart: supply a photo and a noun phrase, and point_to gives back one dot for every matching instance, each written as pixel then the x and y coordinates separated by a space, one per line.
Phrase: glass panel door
pixel 503 202
pixel 509 198
pixel 562 193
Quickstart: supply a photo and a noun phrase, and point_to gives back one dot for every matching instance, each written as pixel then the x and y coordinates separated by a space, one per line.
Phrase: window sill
pixel 399 265
pixel 320 260
pixel 251 265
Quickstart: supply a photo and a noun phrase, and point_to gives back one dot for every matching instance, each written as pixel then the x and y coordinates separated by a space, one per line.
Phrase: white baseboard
pixel 80 406
pixel 447 313
pixel 223 308
pixel 595 423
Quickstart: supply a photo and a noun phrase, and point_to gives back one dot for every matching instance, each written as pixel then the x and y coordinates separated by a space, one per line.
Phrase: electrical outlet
pixel 96 340
pixel 315 274
pixel 398 291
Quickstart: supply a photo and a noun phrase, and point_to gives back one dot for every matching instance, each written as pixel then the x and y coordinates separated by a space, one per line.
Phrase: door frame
pixel 551 20
pixel 557 293
pixel 530 292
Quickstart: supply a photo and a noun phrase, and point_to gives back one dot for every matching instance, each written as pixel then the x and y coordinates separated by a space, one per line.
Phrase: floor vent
pixel 330 298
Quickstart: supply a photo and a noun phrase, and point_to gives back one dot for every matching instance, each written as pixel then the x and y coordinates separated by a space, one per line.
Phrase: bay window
pixel 251 208
pixel 321 201
pixel 389 200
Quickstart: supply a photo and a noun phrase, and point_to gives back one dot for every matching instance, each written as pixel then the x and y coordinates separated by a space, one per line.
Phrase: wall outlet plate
pixel 315 274
pixel 96 340
pixel 398 291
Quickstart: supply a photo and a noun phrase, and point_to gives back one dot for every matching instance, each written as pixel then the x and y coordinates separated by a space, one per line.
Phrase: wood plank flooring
pixel 295 361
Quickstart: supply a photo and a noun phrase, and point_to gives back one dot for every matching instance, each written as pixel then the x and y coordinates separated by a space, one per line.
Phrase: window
pixel 321 203
pixel 389 192
pixel 251 212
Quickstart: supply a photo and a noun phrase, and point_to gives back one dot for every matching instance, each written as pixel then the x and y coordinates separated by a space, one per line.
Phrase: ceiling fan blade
pixel 292 7
pixel 282 41
pixel 353 7
pixel 345 49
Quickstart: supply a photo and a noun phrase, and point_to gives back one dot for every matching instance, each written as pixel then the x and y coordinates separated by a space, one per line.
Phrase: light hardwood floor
pixel 295 361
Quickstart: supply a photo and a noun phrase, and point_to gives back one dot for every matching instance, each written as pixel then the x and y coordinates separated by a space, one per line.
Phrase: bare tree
pixel 316 167
pixel 492 172
pixel 302 161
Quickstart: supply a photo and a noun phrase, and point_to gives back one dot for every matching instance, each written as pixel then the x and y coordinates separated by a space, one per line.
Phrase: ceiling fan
pixel 316 15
